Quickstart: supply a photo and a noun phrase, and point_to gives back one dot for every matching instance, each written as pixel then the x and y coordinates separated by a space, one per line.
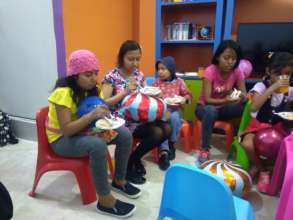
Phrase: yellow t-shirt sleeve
pixel 101 94
pixel 62 96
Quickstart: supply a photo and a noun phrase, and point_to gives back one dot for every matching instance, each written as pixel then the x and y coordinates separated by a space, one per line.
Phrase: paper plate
pixel 150 90
pixel 105 125
pixel 175 101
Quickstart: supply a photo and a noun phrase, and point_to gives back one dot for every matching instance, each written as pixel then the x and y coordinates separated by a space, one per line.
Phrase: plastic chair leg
pixel 36 181
pixel 186 134
pixel 41 169
pixel 110 165
pixel 196 134
pixel 228 128
pixel 155 154
pixel 232 151
pixel 86 185
pixel 241 156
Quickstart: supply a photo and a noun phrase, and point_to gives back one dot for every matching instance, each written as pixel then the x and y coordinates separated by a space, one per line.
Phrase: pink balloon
pixel 267 143
pixel 245 67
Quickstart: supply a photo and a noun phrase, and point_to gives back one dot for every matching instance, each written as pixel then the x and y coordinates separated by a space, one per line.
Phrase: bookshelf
pixel 190 50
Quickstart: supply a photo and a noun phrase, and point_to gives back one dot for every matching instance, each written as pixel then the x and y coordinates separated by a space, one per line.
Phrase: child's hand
pixel 229 100
pixel 132 85
pixel 280 83
pixel 99 112
pixel 243 97
pixel 160 95
pixel 183 101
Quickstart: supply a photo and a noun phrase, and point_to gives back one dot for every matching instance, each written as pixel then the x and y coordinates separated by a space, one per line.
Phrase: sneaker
pixel 128 190
pixel 120 210
pixel 134 177
pixel 204 155
pixel 263 183
pixel 164 162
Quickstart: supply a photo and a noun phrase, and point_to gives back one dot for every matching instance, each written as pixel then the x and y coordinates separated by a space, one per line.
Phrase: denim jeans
pixel 208 114
pixel 96 149
pixel 176 123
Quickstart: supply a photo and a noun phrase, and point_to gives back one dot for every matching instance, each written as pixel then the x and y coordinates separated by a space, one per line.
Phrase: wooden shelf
pixel 188 3
pixel 187 42
pixel 189 53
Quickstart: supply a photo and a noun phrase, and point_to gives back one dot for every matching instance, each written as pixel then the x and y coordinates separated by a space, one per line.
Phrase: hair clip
pixel 270 54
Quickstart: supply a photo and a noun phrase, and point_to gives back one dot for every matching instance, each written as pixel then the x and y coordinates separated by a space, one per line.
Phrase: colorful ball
pixel 267 143
pixel 143 108
pixel 233 175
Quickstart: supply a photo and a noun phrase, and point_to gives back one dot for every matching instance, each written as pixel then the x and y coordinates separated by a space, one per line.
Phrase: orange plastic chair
pixel 49 161
pixel 186 135
pixel 226 126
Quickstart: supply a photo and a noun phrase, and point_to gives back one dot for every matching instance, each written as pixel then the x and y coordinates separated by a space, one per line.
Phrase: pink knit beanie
pixel 81 61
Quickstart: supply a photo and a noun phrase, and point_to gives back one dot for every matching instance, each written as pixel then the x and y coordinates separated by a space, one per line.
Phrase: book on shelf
pixel 186 74
pixel 179 31
pixel 188 31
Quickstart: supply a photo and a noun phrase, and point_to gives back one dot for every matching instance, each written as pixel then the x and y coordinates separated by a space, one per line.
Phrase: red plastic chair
pixel 49 161
pixel 226 126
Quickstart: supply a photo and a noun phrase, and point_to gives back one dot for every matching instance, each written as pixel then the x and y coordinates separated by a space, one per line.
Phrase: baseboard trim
pixel 24 128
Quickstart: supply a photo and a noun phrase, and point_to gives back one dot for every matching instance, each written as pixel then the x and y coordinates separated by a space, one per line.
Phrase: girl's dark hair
pixel 279 60
pixel 78 93
pixel 128 45
pixel 222 47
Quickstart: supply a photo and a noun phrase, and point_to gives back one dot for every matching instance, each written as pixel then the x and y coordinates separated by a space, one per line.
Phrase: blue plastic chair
pixel 150 80
pixel 190 193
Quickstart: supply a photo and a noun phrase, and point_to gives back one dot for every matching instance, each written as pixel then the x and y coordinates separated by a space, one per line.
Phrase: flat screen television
pixel 258 39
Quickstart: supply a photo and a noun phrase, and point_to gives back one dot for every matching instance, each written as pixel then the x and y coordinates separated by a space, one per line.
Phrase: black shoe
pixel 128 190
pixel 120 210
pixel 164 162
pixel 135 177
pixel 172 151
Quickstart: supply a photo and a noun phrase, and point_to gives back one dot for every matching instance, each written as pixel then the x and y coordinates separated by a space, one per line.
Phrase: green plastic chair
pixel 236 149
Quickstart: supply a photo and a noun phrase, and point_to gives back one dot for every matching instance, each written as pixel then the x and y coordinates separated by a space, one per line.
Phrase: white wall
pixel 28 63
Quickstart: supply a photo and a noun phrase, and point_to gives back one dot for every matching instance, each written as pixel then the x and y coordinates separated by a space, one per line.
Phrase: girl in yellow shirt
pixel 64 132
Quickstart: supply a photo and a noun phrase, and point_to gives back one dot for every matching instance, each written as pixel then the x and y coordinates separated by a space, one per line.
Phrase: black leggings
pixel 151 134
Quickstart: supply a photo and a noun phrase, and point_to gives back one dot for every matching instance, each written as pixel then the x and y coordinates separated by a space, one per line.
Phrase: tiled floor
pixel 58 194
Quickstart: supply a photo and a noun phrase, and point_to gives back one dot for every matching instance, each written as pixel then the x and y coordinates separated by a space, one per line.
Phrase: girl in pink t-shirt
pixel 220 78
